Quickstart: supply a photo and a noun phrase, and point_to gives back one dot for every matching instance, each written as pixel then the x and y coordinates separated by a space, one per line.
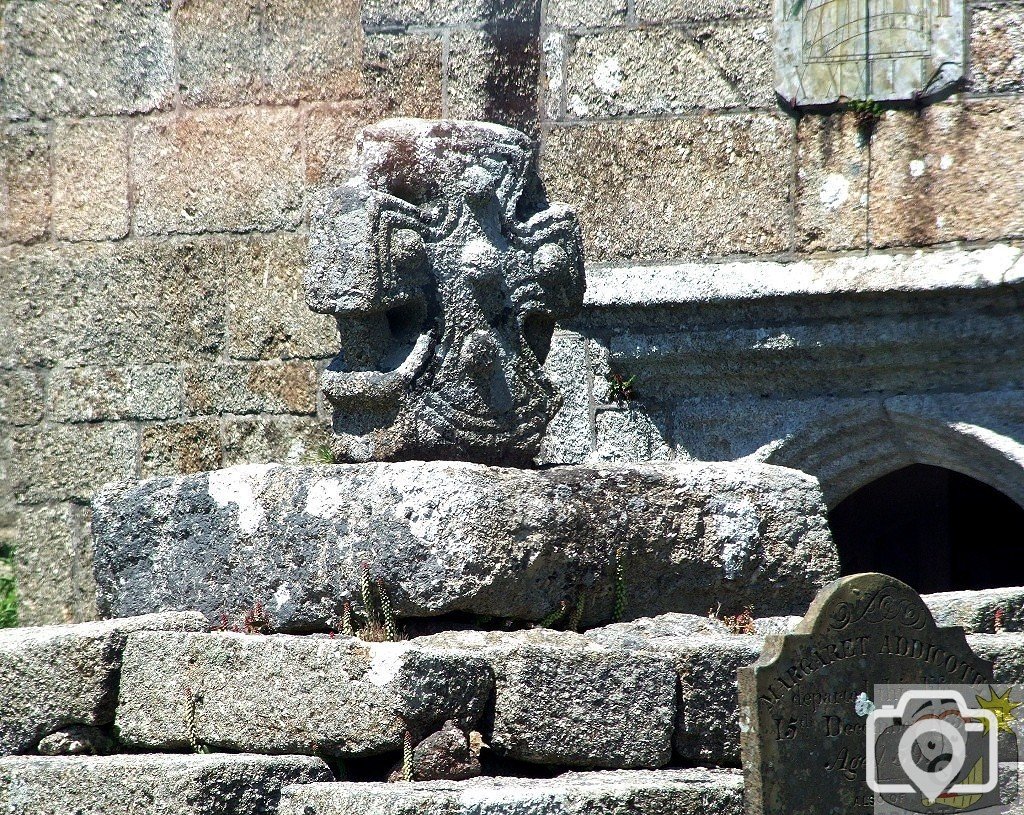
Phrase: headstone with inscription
pixel 803 740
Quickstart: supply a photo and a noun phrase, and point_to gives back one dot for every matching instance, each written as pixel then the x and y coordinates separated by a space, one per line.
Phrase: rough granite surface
pixel 285 694
pixel 443 537
pixel 645 792
pixel 153 784
pixel 564 700
pixel 61 675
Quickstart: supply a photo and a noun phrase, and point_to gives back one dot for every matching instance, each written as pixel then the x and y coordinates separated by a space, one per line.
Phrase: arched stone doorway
pixel 931 527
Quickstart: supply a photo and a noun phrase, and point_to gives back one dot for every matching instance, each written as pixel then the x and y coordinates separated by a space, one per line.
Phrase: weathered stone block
pixel 54 676
pixel 1006 652
pixel 630 435
pixel 218 170
pixel 163 784
pixel 66 462
pixel 644 792
pixel 267 316
pixel 330 132
pixel 997 48
pixel 742 51
pixel 982 612
pixel 584 13
pixel 284 386
pixel 493 76
pixel 948 174
pixel 63 590
pixel 93 393
pixel 25 166
pixel 311 51
pixel 640 72
pixel 180 447
pixel 282 694
pixel 282 439
pixel 723 185
pixel 569 436
pixel 388 14
pixel 402 75
pixel 700 10
pixel 21 397
pixel 445 536
pixel 705 657
pixel 219 47
pixel 90 180
pixel 103 288
pixel 81 58
pixel 831 183
pixel 564 700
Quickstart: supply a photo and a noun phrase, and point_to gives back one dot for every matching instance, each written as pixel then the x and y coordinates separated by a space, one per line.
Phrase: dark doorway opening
pixel 935 529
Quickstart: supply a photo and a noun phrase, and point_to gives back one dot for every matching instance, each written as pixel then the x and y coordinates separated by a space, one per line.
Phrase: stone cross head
pixel 446 269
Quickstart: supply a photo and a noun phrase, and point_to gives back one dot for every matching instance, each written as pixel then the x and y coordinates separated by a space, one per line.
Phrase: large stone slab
pixel 153 784
pixel 444 536
pixel 706 657
pixel 640 792
pixel 1006 651
pixel 562 699
pixel 803 742
pixel 60 675
pixel 989 611
pixel 286 694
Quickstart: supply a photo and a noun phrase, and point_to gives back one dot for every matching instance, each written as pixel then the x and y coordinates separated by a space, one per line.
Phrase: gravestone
pixel 835 50
pixel 803 741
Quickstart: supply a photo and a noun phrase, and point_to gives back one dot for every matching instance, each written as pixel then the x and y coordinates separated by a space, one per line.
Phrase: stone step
pixel 60 675
pixel 447 536
pixel 981 612
pixel 153 784
pixel 565 700
pixel 292 694
pixel 1006 651
pixel 639 792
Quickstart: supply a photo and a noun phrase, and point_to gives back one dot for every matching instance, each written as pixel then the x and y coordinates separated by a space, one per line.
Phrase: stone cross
pixel 446 269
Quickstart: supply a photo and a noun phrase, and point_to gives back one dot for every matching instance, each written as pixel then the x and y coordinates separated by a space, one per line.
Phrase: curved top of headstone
pixel 446 269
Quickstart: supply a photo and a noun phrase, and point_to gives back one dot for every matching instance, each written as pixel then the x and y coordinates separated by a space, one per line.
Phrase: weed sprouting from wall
pixel 8 591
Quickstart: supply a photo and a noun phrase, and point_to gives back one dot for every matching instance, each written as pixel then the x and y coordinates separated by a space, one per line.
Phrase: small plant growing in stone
pixel 576 618
pixel 742 623
pixel 379 623
pixel 253 620
pixel 190 723
pixel 324 455
pixel 556 616
pixel 8 596
pixel 619 610
pixel 866 115
pixel 620 388
pixel 408 771
pixel 998 625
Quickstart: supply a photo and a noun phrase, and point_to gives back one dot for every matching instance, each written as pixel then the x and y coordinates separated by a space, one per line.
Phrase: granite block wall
pixel 157 157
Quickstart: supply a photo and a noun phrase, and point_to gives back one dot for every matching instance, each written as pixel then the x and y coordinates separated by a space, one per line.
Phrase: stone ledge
pixel 660 792
pixel 443 537
pixel 285 694
pixel 60 675
pixel 666 285
pixel 154 784
pixel 975 611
